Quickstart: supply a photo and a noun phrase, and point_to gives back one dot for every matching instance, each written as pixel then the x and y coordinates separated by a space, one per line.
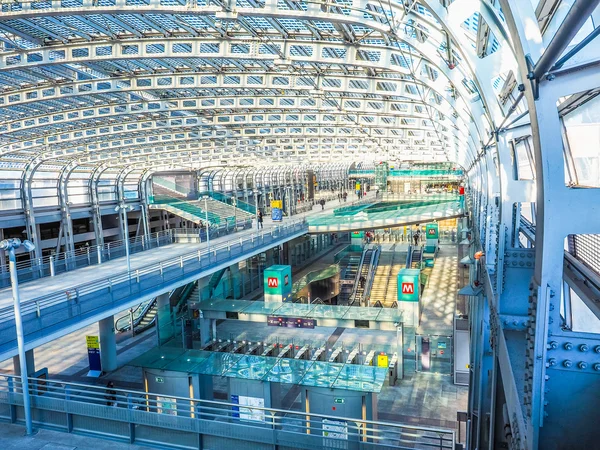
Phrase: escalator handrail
pixel 145 307
pixel 371 273
pixel 351 299
pixel 138 313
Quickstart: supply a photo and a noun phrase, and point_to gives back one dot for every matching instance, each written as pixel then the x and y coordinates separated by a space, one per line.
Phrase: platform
pixel 376 215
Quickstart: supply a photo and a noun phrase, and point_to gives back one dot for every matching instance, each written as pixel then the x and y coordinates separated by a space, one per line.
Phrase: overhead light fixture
pixel 467 260
pixel 471 291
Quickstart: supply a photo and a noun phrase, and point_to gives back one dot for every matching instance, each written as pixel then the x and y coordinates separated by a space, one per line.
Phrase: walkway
pixel 421 209
pixel 439 297
pixel 76 299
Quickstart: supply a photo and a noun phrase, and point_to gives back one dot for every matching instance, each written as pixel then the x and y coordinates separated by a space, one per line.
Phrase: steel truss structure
pixel 97 95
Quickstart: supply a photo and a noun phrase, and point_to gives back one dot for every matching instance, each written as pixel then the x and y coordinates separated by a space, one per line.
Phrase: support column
pixel 235 280
pixel 30 363
pixel 108 344
pixel 164 330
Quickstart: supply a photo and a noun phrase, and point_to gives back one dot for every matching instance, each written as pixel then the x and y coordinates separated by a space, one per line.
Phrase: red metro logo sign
pixel 272 282
pixel 408 288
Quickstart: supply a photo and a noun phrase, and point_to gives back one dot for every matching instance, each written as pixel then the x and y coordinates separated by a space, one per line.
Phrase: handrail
pixel 371 273
pixel 139 312
pixel 179 411
pixel 185 206
pixel 74 292
pixel 88 250
pixel 84 256
pixel 228 200
pixel 352 297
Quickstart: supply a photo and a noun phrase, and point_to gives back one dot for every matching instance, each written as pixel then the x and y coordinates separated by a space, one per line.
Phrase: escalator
pixel 416 258
pixel 348 276
pixel 144 315
pixel 363 273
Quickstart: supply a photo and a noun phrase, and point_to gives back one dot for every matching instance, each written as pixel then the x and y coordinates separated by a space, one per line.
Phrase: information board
pixel 93 348
pixel 246 410
pixel 334 430
pixel 290 322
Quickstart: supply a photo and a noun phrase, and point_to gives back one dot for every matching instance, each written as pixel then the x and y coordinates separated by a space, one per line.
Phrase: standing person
pixel 362 281
pixel 339 197
pixel 111 394
pixel 417 236
pixel 322 203
pixel 259 219
pixel 345 196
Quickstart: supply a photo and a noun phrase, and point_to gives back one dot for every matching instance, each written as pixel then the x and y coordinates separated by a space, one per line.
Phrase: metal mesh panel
pixel 95 425
pixel 586 248
pixel 223 443
pixel 158 436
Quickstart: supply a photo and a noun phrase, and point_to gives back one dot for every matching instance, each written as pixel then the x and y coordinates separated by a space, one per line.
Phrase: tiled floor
pixel 439 297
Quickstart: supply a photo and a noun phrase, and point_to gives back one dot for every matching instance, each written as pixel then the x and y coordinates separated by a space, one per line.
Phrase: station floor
pixel 426 399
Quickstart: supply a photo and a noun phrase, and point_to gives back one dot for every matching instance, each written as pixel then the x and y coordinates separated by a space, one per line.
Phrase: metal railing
pixel 228 200
pixel 74 304
pixel 47 266
pixel 178 422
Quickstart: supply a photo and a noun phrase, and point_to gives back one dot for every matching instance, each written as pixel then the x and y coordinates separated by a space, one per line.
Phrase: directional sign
pixel 290 322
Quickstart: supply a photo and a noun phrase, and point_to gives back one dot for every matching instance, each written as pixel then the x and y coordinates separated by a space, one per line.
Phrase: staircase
pixel 163 192
pixel 194 211
pixel 382 275
pixel 391 289
pixel 225 211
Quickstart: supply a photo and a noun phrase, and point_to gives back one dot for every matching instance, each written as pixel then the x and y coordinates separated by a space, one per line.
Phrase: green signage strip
pixel 409 285
pixel 432 231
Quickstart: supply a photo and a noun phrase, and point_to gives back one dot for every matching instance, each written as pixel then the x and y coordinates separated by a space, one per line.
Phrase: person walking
pixel 259 219
pixel 111 394
pixel 339 197
pixel 345 196
pixel 322 203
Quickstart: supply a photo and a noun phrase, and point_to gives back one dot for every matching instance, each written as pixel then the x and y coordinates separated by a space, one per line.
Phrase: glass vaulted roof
pixel 150 84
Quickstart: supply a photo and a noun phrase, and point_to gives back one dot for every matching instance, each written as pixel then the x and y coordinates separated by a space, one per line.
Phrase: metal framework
pixel 97 95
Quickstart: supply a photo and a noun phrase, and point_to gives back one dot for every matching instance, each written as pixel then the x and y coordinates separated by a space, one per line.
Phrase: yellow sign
pixel 382 361
pixel 276 204
pixel 357 187
pixel 92 342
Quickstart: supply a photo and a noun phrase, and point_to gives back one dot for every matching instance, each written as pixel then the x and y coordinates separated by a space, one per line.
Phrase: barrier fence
pixel 179 422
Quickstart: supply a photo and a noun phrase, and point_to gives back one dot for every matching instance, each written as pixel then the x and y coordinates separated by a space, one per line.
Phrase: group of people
pixel 342 196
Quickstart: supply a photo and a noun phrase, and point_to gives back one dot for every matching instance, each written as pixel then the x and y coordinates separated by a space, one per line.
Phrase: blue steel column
pixel 108 344
pixel 163 318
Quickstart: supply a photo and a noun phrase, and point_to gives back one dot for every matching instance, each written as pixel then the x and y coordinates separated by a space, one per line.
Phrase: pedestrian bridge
pixel 55 306
pixel 388 212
